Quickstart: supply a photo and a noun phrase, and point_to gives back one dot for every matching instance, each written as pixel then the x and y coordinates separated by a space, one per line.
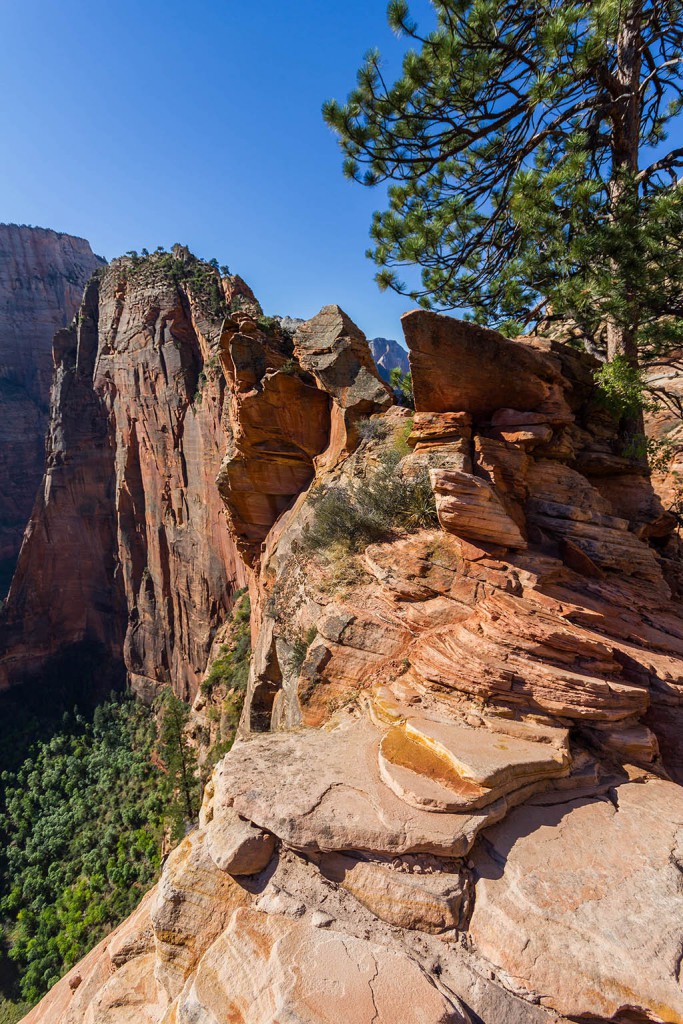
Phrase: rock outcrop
pixel 448 801
pixel 127 548
pixel 42 276
pixel 295 405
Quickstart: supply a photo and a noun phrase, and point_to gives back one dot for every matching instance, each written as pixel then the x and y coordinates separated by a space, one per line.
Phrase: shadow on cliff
pixel 81 676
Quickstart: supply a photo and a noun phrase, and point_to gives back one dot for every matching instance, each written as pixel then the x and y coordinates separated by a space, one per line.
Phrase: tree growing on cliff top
pixel 523 147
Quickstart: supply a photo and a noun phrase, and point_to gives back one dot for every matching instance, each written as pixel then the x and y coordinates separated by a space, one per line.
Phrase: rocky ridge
pixel 448 801
pixel 42 276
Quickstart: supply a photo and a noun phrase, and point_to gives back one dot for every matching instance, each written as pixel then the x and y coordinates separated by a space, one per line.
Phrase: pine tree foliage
pixel 523 147
pixel 180 760
pixel 402 384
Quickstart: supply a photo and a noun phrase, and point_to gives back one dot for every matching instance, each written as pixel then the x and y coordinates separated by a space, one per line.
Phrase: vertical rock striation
pixel 127 546
pixel 42 276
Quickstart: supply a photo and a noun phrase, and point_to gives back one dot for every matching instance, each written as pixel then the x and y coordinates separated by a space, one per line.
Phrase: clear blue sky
pixel 147 122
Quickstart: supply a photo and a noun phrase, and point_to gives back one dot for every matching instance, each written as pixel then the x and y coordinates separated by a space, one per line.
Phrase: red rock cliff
pixel 42 275
pixel 128 547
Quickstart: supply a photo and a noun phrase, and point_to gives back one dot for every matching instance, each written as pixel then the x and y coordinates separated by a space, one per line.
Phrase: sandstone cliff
pixel 449 802
pixel 127 548
pixel 42 275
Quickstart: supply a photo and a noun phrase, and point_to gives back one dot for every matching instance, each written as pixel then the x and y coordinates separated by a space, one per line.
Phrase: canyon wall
pixel 128 548
pixel 42 276
pixel 448 803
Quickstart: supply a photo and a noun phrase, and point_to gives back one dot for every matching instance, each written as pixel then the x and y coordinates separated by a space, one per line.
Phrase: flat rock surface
pixel 266 967
pixel 321 790
pixel 582 903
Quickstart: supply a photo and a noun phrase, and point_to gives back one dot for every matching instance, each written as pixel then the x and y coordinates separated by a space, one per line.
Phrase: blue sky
pixel 147 122
pixel 154 121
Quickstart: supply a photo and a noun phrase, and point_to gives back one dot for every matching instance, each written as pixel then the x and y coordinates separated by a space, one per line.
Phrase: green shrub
pixel 300 647
pixel 402 383
pixel 230 670
pixel 622 389
pixel 370 511
pixel 11 1012
pixel 375 429
pixel 180 761
pixel 658 452
pixel 269 324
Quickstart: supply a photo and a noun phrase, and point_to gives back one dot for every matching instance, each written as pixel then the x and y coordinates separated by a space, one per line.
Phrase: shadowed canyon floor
pixel 448 801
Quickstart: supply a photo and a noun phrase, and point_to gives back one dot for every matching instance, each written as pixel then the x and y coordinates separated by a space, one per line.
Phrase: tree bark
pixel 622 338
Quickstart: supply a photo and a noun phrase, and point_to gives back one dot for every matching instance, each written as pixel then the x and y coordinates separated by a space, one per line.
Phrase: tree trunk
pixel 622 338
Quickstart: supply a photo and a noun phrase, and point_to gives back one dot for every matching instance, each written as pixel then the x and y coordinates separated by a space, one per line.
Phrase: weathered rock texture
pixel 127 546
pixel 42 276
pixel 448 801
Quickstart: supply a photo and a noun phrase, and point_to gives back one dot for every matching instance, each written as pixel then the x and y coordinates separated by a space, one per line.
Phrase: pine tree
pixel 518 147
pixel 402 384
pixel 179 759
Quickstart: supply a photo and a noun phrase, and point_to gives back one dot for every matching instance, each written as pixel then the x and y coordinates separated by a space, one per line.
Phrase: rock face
pixel 388 354
pixel 447 801
pixel 42 276
pixel 294 404
pixel 127 547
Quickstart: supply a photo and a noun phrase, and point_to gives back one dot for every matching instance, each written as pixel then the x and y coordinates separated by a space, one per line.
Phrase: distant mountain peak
pixel 387 354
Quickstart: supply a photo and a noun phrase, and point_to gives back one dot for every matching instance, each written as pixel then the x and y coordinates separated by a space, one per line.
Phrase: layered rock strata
pixel 42 276
pixel 127 547
pixel 446 803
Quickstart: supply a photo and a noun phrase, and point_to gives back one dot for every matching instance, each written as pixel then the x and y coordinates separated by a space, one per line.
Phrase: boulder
pixel 459 365
pixel 470 508
pixel 432 899
pixel 237 847
pixel 336 352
